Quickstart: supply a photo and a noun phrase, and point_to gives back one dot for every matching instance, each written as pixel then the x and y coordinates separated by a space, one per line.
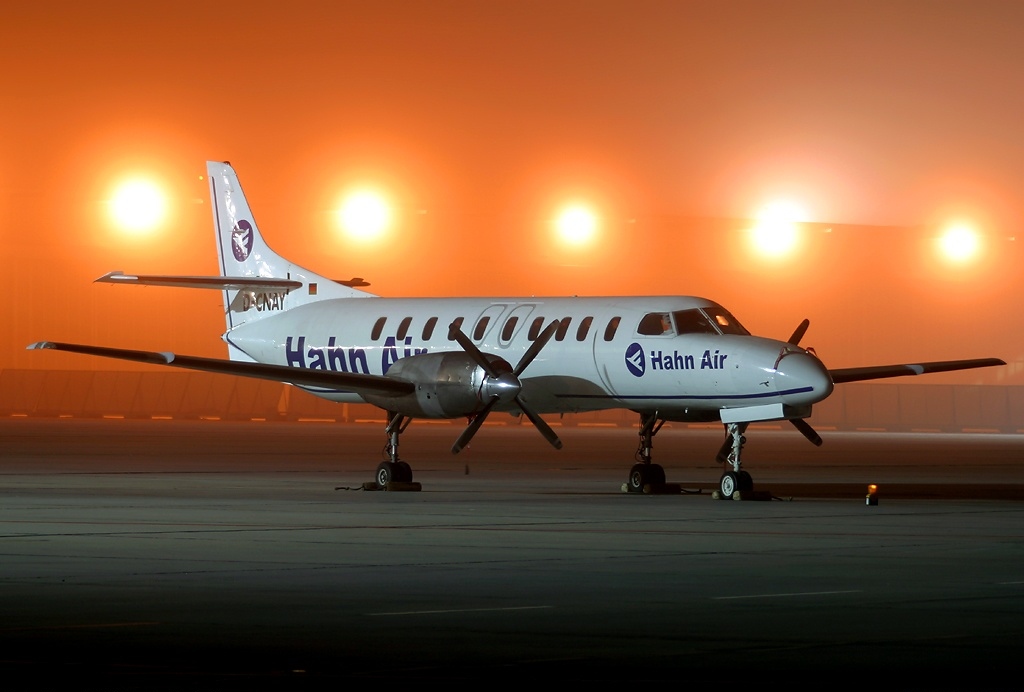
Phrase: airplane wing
pixel 354 382
pixel 879 372
pixel 215 282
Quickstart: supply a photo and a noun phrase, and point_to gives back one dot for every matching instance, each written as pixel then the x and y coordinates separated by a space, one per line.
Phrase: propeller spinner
pixel 503 385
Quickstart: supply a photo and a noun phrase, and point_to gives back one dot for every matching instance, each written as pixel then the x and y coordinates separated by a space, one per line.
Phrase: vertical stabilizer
pixel 243 253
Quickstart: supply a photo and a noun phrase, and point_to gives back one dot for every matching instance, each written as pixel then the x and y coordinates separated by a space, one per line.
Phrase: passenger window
pixel 581 333
pixel 457 324
pixel 509 329
pixel 655 323
pixel 403 329
pixel 378 327
pixel 563 327
pixel 535 329
pixel 481 328
pixel 613 326
pixel 428 328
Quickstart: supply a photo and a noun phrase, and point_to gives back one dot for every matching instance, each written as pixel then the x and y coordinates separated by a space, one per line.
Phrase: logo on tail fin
pixel 241 240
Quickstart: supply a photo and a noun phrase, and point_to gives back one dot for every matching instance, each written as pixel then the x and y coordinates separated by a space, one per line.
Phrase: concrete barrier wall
pixel 194 395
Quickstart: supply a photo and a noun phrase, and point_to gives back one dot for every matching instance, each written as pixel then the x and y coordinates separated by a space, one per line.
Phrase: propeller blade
pixel 469 347
pixel 539 423
pixel 806 430
pixel 473 426
pixel 542 339
pixel 799 333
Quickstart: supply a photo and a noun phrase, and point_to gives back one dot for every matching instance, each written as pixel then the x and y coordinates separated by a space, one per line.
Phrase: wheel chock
pixel 744 495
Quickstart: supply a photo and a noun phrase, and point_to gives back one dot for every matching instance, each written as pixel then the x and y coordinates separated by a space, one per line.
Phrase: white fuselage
pixel 587 365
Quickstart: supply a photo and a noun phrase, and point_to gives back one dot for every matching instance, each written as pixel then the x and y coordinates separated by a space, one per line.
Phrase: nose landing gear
pixel 735 480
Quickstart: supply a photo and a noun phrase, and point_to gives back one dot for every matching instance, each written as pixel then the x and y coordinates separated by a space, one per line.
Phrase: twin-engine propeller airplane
pixel 668 358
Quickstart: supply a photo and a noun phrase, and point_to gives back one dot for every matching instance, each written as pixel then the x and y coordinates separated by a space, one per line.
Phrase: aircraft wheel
pixel 403 472
pixel 637 478
pixel 728 485
pixel 744 481
pixel 656 475
pixel 386 472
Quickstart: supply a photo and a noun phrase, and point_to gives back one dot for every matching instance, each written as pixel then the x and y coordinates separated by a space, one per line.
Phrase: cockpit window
pixel 693 322
pixel 711 320
pixel 655 323
pixel 726 323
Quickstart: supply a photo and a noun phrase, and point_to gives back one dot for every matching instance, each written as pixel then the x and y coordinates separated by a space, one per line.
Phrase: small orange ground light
pixel 872 498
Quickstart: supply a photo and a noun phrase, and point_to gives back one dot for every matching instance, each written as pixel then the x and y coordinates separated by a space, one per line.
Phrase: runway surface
pixel 166 553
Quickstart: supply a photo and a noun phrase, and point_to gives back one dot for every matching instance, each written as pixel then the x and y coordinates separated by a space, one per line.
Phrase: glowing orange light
pixel 960 244
pixel 364 215
pixel 775 234
pixel 576 225
pixel 138 206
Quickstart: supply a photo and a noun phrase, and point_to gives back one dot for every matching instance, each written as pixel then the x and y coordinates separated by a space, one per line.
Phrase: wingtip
pixel 115 276
pixel 39 345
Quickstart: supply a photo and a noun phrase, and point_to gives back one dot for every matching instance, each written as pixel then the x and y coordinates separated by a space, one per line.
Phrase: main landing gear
pixel 644 472
pixel 394 469
pixel 735 480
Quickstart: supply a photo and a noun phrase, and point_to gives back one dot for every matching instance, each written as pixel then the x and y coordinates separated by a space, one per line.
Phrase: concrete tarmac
pixel 205 554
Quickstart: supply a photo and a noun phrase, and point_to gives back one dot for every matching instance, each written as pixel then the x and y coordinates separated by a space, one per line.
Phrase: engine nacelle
pixel 448 385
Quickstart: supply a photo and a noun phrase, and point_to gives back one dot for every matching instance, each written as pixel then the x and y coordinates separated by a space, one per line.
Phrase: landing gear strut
pixel 394 469
pixel 735 480
pixel 644 472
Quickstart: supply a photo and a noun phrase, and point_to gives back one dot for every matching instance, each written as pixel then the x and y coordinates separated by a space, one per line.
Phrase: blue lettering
pixel 357 356
pixel 388 355
pixel 655 360
pixel 295 357
pixel 317 359
pixel 711 361
pixel 336 356
pixel 671 361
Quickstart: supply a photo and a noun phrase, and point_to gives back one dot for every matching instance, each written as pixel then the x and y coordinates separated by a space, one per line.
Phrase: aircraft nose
pixel 801 379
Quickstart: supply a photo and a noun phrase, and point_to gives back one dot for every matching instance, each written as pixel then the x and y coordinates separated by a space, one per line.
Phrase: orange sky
pixel 480 118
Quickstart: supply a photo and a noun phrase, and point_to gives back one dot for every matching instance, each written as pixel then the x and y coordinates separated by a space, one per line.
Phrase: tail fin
pixel 242 252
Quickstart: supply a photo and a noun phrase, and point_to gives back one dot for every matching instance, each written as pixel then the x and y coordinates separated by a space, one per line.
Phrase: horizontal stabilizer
pixel 355 282
pixel 345 381
pixel 220 283
pixel 880 372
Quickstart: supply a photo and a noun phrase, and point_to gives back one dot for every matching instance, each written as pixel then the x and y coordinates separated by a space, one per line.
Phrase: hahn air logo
pixel 241 240
pixel 635 361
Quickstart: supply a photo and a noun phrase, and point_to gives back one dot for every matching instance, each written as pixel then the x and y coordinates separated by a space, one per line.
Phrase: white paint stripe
pixel 1010 583
pixel 460 610
pixel 784 595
